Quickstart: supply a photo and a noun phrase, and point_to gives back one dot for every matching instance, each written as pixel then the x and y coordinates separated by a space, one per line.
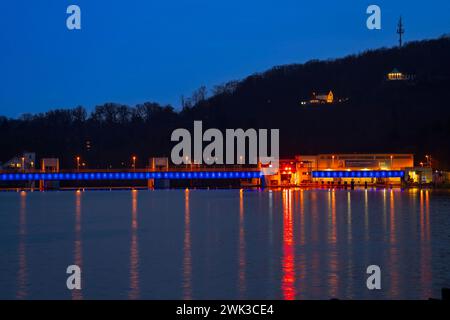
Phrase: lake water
pixel 225 244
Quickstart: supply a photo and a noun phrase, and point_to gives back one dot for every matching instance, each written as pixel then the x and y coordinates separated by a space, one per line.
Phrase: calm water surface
pixel 225 244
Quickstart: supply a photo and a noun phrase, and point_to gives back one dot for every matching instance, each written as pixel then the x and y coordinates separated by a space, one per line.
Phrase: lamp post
pixel 23 163
pixel 134 163
pixel 78 163
pixel 428 160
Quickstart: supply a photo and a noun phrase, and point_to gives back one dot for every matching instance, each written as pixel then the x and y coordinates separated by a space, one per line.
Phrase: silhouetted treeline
pixel 380 116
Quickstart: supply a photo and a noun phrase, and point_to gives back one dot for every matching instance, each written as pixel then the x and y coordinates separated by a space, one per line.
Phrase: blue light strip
pixel 359 174
pixel 130 175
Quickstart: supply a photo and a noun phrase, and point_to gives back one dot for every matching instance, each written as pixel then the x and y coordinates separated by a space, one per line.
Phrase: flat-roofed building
pixel 332 169
pixel 378 161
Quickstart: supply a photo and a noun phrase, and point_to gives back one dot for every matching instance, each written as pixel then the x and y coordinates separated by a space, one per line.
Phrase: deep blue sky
pixel 145 50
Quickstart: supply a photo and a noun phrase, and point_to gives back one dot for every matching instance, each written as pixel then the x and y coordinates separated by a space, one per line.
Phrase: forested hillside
pixel 379 115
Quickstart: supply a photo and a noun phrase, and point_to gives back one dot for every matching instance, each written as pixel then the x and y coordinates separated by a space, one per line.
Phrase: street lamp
pixel 428 160
pixel 78 163
pixel 134 162
pixel 23 163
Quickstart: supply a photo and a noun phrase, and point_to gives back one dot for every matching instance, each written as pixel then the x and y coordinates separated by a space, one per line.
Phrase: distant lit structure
pixel 396 75
pixel 322 98
pixel 26 161
pixel 50 165
pixel 326 169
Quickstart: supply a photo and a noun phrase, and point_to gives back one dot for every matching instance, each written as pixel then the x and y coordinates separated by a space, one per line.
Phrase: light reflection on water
pixel 288 263
pixel 241 250
pixel 134 249
pixel 225 244
pixel 187 258
pixel 78 254
pixel 22 270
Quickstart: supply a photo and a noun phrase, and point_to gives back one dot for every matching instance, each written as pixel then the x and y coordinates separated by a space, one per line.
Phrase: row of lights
pixel 134 158
pixel 129 175
pixel 79 164
pixel 357 174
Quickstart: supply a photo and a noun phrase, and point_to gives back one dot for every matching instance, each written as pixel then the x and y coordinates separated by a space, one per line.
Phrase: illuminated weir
pixel 98 175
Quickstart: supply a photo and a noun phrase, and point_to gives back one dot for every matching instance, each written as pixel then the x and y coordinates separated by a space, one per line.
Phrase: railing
pixel 189 168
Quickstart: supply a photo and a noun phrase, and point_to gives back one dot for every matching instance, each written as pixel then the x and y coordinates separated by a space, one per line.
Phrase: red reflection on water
pixel 241 273
pixel 134 249
pixel 78 254
pixel 187 258
pixel 424 215
pixel 302 218
pixel 302 260
pixel 288 264
pixel 22 273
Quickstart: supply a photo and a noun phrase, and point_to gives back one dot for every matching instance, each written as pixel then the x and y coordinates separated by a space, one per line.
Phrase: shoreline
pixel 249 188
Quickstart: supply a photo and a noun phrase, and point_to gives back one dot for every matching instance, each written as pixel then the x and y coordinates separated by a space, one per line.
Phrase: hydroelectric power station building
pixel 337 169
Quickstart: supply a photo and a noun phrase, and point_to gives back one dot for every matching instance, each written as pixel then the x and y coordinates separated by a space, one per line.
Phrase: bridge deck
pixel 131 175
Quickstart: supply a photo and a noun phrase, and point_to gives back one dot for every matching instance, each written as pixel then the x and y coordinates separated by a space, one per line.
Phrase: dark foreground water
pixel 225 244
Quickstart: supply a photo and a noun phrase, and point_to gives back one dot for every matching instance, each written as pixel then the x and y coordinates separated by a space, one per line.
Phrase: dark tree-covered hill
pixel 379 115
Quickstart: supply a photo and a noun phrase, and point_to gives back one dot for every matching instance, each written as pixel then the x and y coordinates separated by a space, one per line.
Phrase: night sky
pixel 144 50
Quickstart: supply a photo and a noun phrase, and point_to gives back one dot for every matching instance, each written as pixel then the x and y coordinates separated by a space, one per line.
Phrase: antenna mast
pixel 400 31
